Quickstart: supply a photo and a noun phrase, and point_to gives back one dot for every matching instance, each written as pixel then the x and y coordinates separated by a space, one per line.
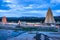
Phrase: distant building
pixel 4 20
pixel 19 22
pixel 49 17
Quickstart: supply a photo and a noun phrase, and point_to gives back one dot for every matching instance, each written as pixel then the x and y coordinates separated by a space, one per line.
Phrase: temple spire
pixel 49 17
pixel 19 22
pixel 4 20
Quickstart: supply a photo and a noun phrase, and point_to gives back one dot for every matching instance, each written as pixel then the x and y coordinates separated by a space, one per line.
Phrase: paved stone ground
pixel 24 36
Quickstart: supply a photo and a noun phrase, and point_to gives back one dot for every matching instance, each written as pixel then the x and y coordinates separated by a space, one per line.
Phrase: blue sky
pixel 31 8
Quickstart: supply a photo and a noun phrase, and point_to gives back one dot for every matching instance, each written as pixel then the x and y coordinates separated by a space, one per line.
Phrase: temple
pixel 49 17
pixel 4 20
pixel 19 22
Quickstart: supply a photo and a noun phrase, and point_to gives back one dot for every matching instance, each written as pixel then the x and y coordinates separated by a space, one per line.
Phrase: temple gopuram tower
pixel 4 20
pixel 49 17
pixel 19 22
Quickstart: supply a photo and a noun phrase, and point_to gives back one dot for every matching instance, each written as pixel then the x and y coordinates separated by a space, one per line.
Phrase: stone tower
pixel 49 17
pixel 4 20
pixel 19 22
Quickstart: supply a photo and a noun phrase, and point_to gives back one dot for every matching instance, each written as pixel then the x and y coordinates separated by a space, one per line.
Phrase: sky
pixel 29 8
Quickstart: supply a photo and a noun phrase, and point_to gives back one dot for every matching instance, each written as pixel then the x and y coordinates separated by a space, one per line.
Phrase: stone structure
pixel 49 17
pixel 4 20
pixel 19 22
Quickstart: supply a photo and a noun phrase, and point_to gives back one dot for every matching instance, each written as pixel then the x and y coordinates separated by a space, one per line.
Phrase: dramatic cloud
pixel 37 8
pixel 55 1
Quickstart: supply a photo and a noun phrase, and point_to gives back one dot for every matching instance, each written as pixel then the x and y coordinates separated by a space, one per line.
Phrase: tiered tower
pixel 49 17
pixel 4 20
pixel 19 22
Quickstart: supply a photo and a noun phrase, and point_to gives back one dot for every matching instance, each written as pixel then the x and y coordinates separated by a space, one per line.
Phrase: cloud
pixel 4 10
pixel 10 1
pixel 56 12
pixel 29 8
pixel 16 13
pixel 7 0
pixel 3 5
pixel 55 1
